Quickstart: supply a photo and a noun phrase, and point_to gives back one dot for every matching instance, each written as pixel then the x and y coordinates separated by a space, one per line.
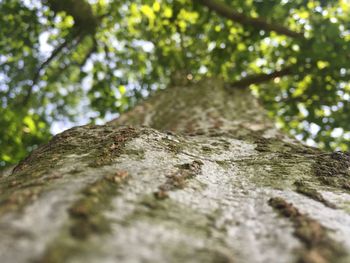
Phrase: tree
pixel 221 185
pixel 198 172
pixel 121 51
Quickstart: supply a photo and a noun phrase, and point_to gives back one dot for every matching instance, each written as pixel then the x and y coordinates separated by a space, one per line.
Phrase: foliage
pixel 107 54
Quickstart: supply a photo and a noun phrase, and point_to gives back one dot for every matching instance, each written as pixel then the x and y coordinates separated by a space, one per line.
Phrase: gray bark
pixel 196 173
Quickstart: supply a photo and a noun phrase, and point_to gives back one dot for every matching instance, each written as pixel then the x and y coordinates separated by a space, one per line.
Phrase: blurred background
pixel 71 62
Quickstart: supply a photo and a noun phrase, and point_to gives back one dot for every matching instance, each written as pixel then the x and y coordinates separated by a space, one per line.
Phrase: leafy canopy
pixel 59 58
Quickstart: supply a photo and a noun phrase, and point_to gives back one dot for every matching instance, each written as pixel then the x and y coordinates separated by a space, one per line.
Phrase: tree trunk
pixel 197 173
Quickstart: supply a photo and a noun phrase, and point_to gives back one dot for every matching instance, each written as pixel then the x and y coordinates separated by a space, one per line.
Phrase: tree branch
pixel 53 55
pixel 260 78
pixel 226 11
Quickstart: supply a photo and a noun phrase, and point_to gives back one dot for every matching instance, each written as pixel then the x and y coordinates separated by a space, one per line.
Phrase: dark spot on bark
pixel 161 194
pixel 172 146
pixel 206 149
pixel 86 212
pixel 15 200
pixel 138 153
pixel 113 147
pixel 224 164
pixel 196 132
pixel 333 169
pixel 215 133
pixel 281 147
pixel 178 179
pixel 194 167
pixel 303 188
pixel 86 219
pixel 262 145
pixel 16 191
pixel 319 247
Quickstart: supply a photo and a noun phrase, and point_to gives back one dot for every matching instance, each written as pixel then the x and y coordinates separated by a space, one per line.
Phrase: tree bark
pixel 197 173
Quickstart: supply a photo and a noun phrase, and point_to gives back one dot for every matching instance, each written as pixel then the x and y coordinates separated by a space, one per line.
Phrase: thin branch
pixel 260 78
pixel 226 11
pixel 49 59
pixel 36 76
pixel 53 55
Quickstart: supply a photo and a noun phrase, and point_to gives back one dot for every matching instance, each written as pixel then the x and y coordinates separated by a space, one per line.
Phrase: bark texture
pixel 196 173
